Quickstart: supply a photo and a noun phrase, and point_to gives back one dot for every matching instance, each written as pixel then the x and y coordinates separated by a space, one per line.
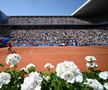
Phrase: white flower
pixel 30 65
pixel 13 59
pixel 24 69
pixel 92 65
pixel 106 85
pixel 37 77
pixel 68 70
pixel 68 76
pixel 28 84
pixel 38 87
pixel 95 84
pixel 48 65
pixel 90 58
pixel 4 78
pixel 32 82
pixel 104 75
pixel 79 78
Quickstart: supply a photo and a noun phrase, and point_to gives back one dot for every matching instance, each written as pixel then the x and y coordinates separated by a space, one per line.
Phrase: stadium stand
pixel 37 20
pixel 33 36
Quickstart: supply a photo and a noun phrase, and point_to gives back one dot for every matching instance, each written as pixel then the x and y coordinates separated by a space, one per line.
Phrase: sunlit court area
pixel 40 55
pixel 54 46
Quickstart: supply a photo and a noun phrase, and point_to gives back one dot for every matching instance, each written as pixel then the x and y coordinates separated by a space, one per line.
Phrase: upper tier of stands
pixel 44 20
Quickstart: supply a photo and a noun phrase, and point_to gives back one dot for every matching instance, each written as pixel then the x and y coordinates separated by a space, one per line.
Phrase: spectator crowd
pixel 60 37
pixel 36 20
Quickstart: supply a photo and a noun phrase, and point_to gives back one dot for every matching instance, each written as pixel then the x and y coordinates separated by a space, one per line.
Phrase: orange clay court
pixel 41 55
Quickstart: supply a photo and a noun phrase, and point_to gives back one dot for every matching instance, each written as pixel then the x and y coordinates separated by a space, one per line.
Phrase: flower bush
pixel 4 78
pixel 13 59
pixel 32 82
pixel 68 71
pixel 65 76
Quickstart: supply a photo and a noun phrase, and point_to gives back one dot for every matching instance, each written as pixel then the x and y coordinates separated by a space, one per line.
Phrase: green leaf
pixel 1 65
pixel 32 69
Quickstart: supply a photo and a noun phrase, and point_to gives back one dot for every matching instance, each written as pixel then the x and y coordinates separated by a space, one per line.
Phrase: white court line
pixel 31 51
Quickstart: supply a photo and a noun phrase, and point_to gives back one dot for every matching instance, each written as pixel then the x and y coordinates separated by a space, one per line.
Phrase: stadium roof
pixel 78 8
pixel 92 8
pixel 3 17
